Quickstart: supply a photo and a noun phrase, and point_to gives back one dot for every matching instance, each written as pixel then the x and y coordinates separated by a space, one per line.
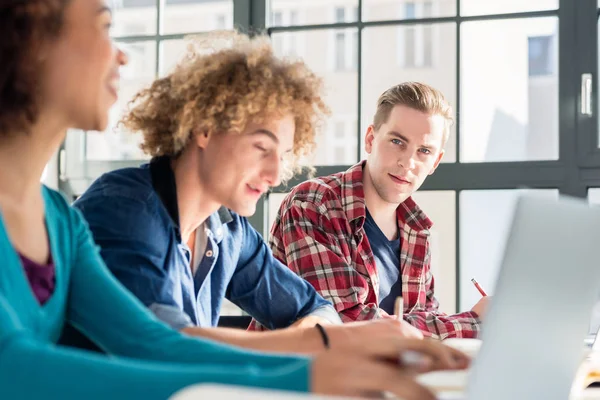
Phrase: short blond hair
pixel 217 90
pixel 415 95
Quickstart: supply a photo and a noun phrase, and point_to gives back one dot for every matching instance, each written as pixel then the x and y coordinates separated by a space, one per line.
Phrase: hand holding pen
pixel 481 307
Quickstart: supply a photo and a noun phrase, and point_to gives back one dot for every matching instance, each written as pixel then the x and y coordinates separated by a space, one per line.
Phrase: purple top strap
pixel 41 277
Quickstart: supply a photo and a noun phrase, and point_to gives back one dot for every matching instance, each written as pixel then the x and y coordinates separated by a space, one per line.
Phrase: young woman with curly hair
pixel 59 70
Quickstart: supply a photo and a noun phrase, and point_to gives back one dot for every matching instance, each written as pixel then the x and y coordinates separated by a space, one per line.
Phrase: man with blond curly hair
pixel 222 128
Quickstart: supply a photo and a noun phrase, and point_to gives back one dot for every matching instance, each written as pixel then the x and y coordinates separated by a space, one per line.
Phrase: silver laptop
pixel 540 313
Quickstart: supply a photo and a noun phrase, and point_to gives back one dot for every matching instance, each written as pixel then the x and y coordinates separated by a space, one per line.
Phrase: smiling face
pixel 237 168
pixel 80 74
pixel 403 152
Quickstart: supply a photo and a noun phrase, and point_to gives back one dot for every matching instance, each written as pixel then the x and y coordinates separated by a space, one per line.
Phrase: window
pixel 345 41
pixel 286 44
pixel 340 51
pixel 221 22
pixel 340 145
pixel 340 155
pixel 340 130
pixel 340 14
pixel 509 114
pixel 416 42
pixel 410 11
pixel 541 62
pixel 501 75
pixel 182 16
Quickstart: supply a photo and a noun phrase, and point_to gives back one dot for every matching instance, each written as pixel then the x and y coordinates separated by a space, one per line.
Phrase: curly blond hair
pixel 226 81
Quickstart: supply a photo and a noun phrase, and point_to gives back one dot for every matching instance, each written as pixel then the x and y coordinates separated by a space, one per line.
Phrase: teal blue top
pixel 148 359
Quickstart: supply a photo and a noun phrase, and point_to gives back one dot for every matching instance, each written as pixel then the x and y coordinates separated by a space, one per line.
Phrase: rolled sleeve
pixel 328 313
pixel 266 289
pixel 171 316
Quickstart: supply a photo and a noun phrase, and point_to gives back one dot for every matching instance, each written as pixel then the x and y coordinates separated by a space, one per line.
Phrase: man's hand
pixel 373 367
pixel 481 307
pixel 357 333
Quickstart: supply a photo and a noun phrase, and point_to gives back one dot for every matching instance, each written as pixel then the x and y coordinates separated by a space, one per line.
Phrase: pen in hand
pixel 478 287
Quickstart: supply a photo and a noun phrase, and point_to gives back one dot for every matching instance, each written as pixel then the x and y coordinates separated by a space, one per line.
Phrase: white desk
pixel 204 392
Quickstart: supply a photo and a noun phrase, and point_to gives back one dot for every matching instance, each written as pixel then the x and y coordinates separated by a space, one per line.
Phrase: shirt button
pixel 209 253
pixel 219 231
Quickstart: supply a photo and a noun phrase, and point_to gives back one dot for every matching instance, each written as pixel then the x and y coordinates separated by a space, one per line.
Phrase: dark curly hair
pixel 25 25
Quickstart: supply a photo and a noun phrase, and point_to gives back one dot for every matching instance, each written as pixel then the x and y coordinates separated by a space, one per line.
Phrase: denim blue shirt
pixel 134 218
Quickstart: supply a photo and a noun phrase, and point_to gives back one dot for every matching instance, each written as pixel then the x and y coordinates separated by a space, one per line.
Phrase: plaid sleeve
pixel 314 244
pixel 436 324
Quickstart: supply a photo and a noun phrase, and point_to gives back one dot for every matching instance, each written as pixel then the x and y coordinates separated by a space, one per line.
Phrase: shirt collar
pixel 163 182
pixel 353 201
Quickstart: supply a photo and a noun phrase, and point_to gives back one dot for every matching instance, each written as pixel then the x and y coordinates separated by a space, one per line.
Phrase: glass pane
pixel 594 196
pixel 274 200
pixel 197 15
pixel 171 52
pixel 377 10
pixel 479 7
pixel 509 110
pixel 114 144
pixel 440 208
pixel 131 18
pixel 294 12
pixel 332 54
pixel 598 38
pixel 594 200
pixel 485 219
pixel 392 55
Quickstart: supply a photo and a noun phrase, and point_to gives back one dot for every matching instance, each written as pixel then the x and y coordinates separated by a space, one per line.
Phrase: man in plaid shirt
pixel 359 238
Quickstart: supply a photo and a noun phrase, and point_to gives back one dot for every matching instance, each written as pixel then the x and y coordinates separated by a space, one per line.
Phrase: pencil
pixel 478 287
pixel 398 307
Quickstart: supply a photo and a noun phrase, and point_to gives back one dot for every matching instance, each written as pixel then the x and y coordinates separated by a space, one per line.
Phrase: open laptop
pixel 540 313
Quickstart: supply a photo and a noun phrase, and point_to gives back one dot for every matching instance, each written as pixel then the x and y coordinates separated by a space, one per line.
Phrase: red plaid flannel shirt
pixel 319 235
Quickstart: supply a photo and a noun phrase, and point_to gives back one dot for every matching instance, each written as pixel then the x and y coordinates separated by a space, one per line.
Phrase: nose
pixel 272 171
pixel 122 57
pixel 407 160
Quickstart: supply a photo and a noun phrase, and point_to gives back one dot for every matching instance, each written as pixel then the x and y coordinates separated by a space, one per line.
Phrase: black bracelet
pixel 323 335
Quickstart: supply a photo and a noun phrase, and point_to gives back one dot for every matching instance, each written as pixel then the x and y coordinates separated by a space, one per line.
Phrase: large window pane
pixel 424 53
pixel 377 10
pixel 295 12
pixel 114 144
pixel 509 90
pixel 485 220
pixel 274 202
pixel 480 7
pixel 440 207
pixel 594 196
pixel 132 18
pixel 197 15
pixel 331 55
pixel 598 75
pixel 594 200
pixel 171 53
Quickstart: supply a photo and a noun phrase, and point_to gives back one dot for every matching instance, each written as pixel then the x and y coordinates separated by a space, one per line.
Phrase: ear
pixel 437 162
pixel 369 137
pixel 201 138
